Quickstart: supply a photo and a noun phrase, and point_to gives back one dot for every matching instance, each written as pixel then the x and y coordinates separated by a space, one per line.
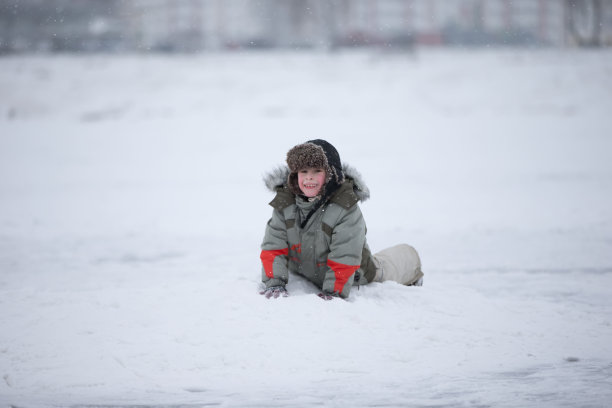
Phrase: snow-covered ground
pixel 132 209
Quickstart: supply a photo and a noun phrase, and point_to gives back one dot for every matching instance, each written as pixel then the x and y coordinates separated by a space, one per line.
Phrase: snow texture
pixel 132 209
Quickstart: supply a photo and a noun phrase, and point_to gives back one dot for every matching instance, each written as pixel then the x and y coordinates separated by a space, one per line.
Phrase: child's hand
pixel 274 291
pixel 326 296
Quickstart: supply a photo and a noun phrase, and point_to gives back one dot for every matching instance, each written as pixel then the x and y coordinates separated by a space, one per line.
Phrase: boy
pixel 317 229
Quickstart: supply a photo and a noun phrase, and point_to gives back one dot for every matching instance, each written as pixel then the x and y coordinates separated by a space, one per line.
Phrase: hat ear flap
pixel 292 183
pixel 336 177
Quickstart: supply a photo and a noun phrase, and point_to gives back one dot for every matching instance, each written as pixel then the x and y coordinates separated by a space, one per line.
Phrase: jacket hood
pixel 277 178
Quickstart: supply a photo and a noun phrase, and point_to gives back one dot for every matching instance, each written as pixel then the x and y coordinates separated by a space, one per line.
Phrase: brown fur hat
pixel 314 154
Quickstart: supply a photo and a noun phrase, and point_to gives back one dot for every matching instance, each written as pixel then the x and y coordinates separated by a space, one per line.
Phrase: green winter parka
pixel 330 250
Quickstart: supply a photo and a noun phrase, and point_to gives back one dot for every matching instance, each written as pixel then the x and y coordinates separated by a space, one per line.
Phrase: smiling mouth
pixel 310 185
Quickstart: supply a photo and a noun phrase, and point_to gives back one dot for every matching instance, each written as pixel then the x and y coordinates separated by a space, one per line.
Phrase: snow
pixel 132 209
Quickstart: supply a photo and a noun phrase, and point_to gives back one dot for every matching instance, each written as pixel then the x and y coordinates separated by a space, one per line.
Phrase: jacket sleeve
pixel 274 252
pixel 347 241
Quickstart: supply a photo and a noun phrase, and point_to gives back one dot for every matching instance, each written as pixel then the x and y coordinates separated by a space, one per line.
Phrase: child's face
pixel 311 180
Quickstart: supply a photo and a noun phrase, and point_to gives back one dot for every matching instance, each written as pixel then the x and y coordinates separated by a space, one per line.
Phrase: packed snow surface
pixel 132 209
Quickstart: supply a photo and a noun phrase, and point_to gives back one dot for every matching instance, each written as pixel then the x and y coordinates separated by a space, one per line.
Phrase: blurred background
pixel 204 25
pixel 133 140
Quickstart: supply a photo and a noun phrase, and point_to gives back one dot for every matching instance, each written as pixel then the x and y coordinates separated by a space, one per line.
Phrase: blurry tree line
pixel 196 25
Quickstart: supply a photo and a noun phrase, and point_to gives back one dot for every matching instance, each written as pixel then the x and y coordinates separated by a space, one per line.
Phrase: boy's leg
pixel 400 263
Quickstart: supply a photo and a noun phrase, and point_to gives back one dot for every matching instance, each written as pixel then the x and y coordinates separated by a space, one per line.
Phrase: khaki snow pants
pixel 400 263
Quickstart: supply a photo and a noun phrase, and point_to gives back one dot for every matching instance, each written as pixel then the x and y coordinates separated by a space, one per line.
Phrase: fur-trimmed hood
pixel 277 178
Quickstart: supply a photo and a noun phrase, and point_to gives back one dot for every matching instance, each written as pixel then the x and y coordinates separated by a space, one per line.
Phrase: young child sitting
pixel 317 229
